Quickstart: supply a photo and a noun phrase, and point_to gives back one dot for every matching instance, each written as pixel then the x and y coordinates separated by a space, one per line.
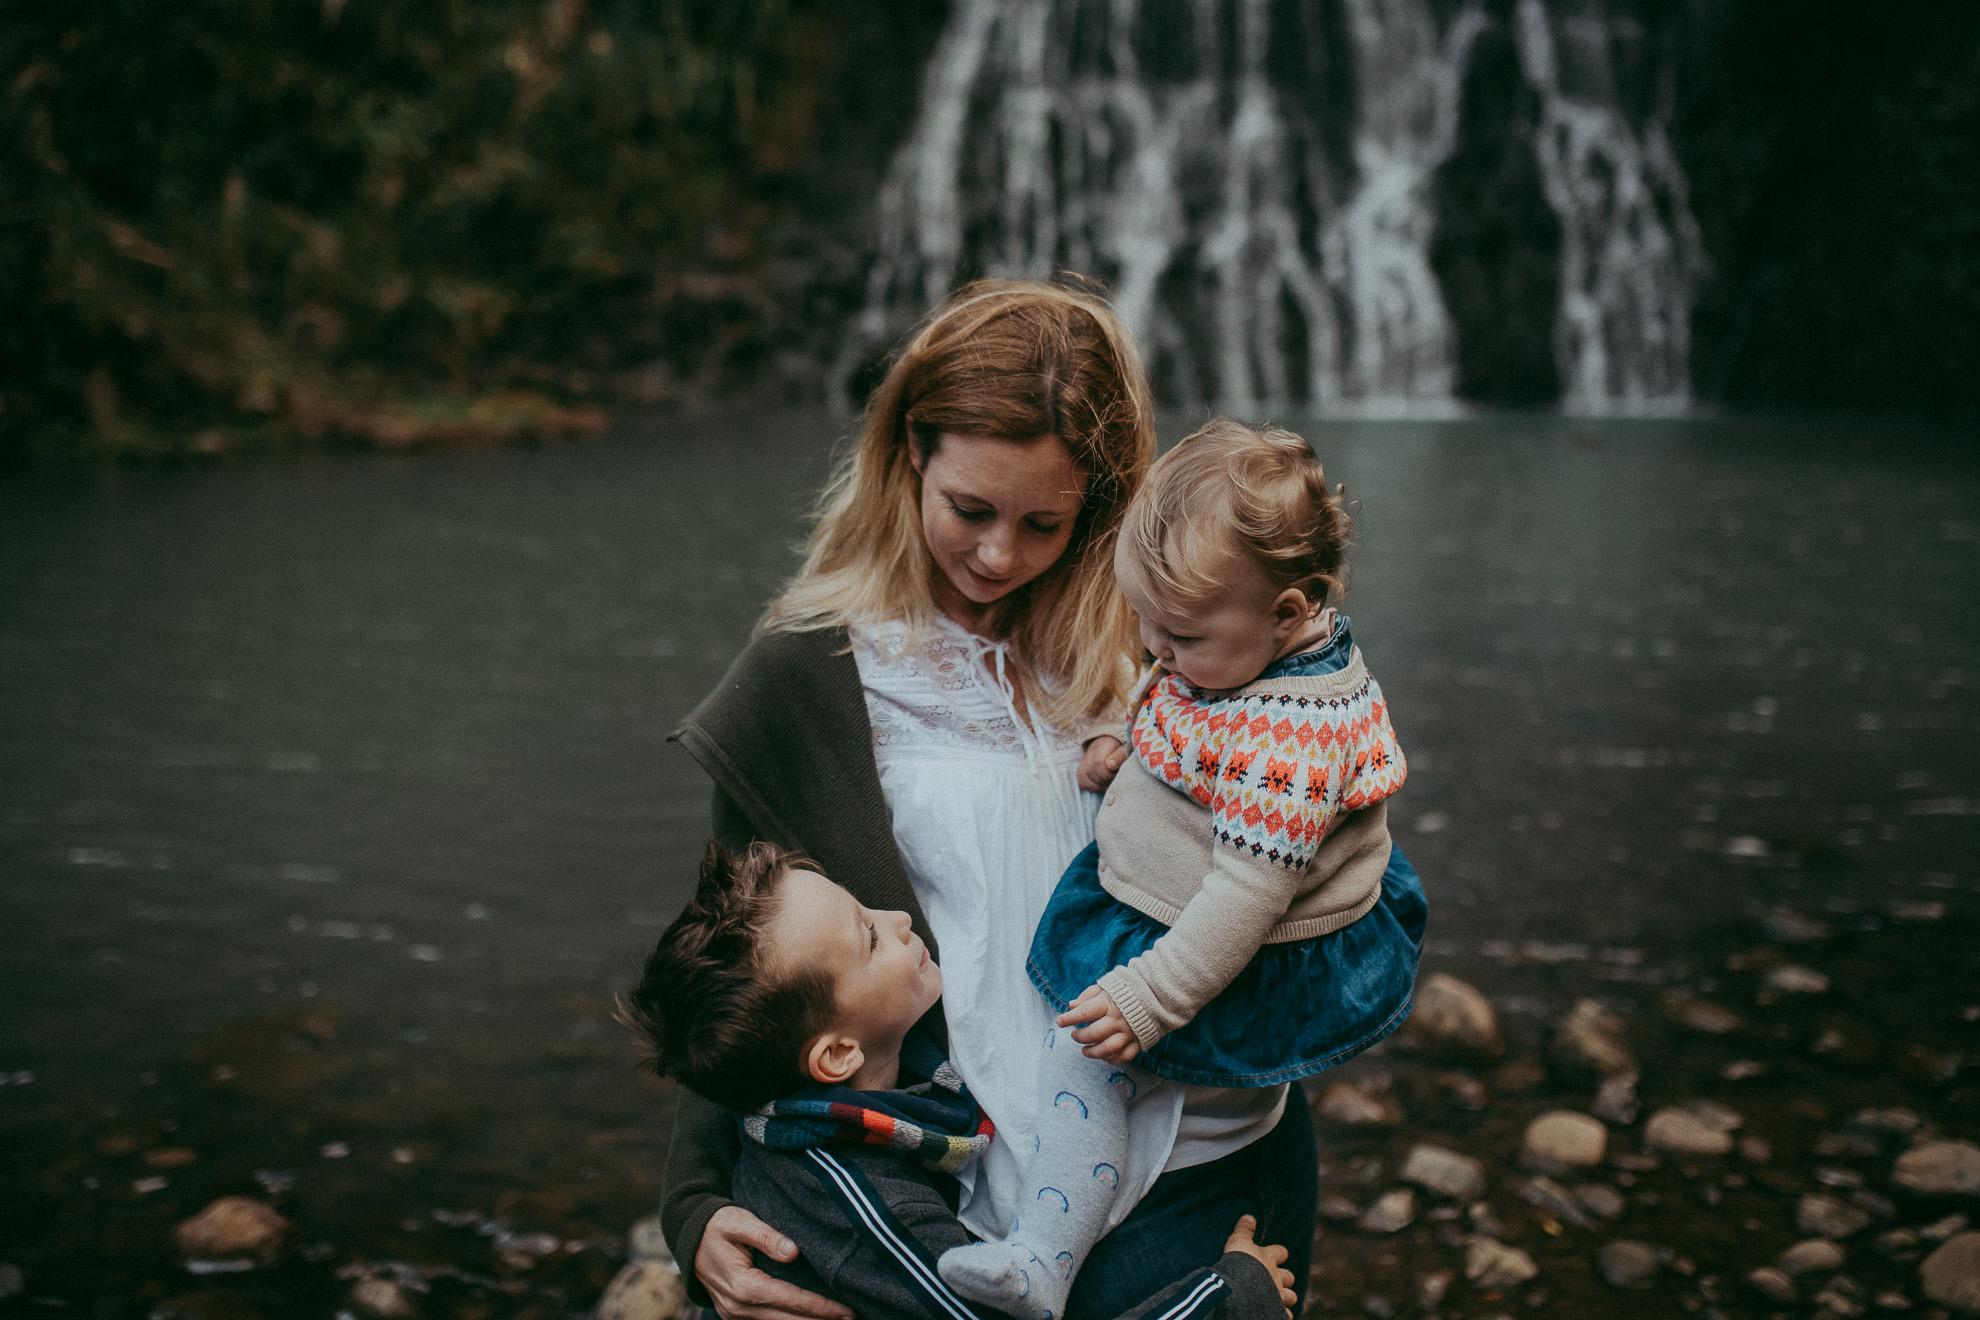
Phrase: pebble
pixel 1591 1042
pixel 1772 1282
pixel 1811 1257
pixel 1492 1265
pixel 1391 1212
pixel 1681 1132
pixel 1601 1199
pixel 1794 979
pixel 1445 1172
pixel 233 1228
pixel 1786 926
pixel 1940 1168
pixel 1893 1301
pixel 1940 1230
pixel 1551 1196
pixel 1615 1100
pixel 1349 1105
pixel 383 1298
pixel 1562 1140
pixel 1431 1288
pixel 646 1240
pixel 1825 1216
pixel 1951 1275
pixel 643 1290
pixel 1452 1018
pixel 1627 1264
pixel 1464 1092
pixel 1337 1207
pixel 1699 1014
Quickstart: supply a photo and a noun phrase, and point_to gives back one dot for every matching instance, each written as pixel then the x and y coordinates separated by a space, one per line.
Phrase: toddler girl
pixel 1243 919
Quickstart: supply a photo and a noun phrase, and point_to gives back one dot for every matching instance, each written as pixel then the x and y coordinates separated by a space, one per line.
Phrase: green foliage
pixel 243 222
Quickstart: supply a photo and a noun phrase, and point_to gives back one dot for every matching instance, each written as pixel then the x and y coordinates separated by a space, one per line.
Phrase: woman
pixel 912 714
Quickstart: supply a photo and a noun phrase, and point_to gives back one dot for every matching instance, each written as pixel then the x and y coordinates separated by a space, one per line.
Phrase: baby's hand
pixel 1102 760
pixel 1106 1034
pixel 1271 1256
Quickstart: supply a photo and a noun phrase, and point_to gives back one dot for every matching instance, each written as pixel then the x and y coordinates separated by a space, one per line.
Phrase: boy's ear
pixel 833 1058
pixel 1291 610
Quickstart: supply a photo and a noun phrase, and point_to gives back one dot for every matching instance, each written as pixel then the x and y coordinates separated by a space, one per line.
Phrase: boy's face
pixel 882 977
pixel 1228 640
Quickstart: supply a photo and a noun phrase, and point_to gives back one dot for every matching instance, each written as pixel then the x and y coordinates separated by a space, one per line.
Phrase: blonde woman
pixel 922 712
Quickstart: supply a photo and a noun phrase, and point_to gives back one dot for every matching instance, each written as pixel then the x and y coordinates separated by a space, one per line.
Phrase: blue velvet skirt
pixel 1296 1009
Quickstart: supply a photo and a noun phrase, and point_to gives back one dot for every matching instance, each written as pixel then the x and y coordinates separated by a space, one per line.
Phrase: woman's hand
pixel 739 1290
pixel 1100 762
pixel 1270 1256
pixel 1107 1035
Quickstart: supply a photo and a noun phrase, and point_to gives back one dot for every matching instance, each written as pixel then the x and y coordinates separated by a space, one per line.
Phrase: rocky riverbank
pixel 1780 1122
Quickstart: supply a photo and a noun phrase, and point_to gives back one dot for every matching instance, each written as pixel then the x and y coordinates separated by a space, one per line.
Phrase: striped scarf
pixel 935 1121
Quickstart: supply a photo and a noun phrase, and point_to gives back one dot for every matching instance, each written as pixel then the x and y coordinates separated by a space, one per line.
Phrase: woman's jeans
pixel 1183 1221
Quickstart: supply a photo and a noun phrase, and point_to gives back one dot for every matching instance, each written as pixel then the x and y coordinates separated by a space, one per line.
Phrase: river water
pixel 335 799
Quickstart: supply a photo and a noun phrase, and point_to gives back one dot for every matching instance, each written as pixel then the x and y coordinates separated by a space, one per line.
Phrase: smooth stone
pixel 1467 1093
pixel 1825 1216
pixel 1941 1229
pixel 1591 1042
pixel 1562 1140
pixel 233 1228
pixel 1940 1168
pixel 382 1298
pixel 1445 1172
pixel 643 1290
pixel 1350 1106
pixel 1786 926
pixel 1627 1264
pixel 1491 1265
pixel 1718 1117
pixel 1811 1257
pixel 1391 1212
pixel 1794 979
pixel 1337 1207
pixel 1951 1275
pixel 1680 1132
pixel 1452 1018
pixel 1431 1288
pixel 1551 1196
pixel 1893 1301
pixel 1615 1099
pixel 646 1240
pixel 1897 1242
pixel 1699 1014
pixel 1901 1122
pixel 1773 1283
pixel 1601 1199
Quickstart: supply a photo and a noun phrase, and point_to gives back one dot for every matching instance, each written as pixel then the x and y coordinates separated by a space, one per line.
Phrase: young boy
pixel 776 994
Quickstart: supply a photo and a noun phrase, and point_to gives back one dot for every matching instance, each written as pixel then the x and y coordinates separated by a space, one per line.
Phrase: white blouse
pixel 987 814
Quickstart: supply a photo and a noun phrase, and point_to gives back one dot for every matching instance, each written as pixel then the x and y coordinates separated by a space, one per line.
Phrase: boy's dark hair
pixel 708 1008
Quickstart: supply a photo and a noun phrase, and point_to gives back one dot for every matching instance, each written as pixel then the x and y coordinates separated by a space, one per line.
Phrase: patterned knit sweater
pixel 1242 819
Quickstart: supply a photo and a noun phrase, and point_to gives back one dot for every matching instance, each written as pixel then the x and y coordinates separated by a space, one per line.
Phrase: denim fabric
pixel 1296 1009
pixel 1182 1222
pixel 1329 657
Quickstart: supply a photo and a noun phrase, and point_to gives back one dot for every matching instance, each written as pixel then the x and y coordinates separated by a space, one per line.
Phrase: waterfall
pixel 1630 248
pixel 1165 158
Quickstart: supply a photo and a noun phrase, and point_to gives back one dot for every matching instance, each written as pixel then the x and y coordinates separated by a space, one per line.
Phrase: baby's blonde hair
pixel 1227 486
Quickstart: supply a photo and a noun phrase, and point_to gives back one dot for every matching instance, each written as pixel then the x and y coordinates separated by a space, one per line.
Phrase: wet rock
pixel 1951 1275
pixel 1699 1014
pixel 1893 1301
pixel 1786 926
pixel 1773 1283
pixel 1939 1168
pixel 1391 1212
pixel 1811 1257
pixel 1350 1106
pixel 1590 1043
pixel 382 1298
pixel 1627 1264
pixel 1825 1216
pixel 1431 1288
pixel 1615 1100
pixel 233 1228
pixel 1893 1121
pixel 1445 1172
pixel 1561 1140
pixel 1942 1229
pixel 1897 1244
pixel 1601 1199
pixel 1718 1117
pixel 1336 1207
pixel 1491 1265
pixel 1556 1200
pixel 1794 979
pixel 1452 1020
pixel 1842 1297
pixel 1680 1132
pixel 643 1290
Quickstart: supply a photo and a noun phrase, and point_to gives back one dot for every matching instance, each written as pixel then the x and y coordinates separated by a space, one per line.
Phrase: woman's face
pixel 995 513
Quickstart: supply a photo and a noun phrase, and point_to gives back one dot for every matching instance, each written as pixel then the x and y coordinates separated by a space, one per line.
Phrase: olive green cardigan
pixel 786 739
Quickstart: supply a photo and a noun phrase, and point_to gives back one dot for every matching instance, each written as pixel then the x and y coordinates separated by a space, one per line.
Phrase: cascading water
pixel 1630 248
pixel 1263 264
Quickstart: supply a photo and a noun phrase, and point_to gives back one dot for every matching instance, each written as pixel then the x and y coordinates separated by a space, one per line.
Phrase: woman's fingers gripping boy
pixel 1270 1255
pixel 1100 762
pixel 741 1291
pixel 1106 1034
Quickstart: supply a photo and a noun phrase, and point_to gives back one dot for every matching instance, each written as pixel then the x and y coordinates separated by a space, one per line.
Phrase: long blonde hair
pixel 1014 361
